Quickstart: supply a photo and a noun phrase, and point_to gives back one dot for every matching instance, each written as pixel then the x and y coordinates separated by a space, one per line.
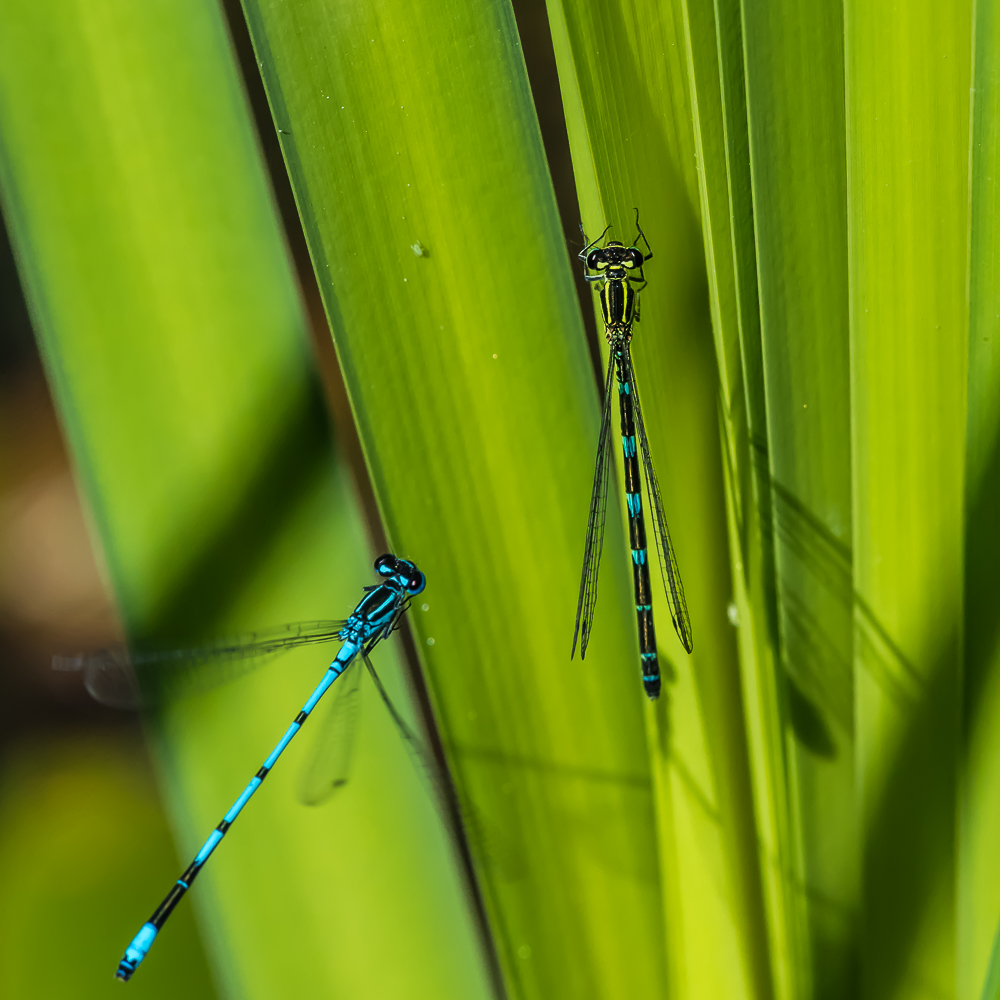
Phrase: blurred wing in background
pixel 330 766
pixel 138 679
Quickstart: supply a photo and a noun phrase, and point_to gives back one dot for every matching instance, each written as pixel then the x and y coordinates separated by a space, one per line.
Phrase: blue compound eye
pixel 417 581
pixel 385 565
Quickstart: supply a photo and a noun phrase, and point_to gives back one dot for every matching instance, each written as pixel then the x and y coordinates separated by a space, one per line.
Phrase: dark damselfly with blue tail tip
pixel 125 680
pixel 618 270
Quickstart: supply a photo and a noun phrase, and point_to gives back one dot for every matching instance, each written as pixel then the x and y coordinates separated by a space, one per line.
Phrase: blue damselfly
pixel 124 680
pixel 618 268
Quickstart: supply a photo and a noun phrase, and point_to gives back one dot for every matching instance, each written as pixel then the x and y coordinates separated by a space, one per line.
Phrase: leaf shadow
pixel 298 452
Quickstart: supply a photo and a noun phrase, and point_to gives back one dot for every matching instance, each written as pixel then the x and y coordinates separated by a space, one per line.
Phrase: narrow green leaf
pixel 411 123
pixel 715 57
pixel 991 985
pixel 174 339
pixel 795 102
pixel 908 77
pixel 977 948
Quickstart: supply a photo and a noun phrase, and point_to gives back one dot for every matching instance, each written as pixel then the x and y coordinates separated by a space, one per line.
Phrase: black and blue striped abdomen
pixel 637 539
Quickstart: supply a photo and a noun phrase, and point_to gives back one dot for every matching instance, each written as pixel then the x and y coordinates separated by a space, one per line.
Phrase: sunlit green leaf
pixel 908 88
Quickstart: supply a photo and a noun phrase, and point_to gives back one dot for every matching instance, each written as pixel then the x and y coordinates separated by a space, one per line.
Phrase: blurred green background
pixel 286 285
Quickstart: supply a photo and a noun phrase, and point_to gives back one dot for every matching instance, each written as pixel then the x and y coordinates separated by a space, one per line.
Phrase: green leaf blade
pixel 795 102
pixel 907 122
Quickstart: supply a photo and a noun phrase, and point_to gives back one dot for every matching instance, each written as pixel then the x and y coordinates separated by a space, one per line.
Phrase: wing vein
pixel 595 523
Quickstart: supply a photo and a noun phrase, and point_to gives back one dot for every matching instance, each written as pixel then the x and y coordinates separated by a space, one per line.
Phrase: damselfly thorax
pixel 616 267
pixel 619 303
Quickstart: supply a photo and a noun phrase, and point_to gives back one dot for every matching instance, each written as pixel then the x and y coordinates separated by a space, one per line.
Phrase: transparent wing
pixel 419 754
pixel 664 547
pixel 131 679
pixel 595 523
pixel 450 808
pixel 330 765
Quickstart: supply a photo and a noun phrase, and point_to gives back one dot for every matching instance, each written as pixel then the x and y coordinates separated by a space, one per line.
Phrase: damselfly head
pixel 615 254
pixel 402 571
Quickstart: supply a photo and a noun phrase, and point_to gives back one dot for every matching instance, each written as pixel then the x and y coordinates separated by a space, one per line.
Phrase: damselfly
pixel 618 268
pixel 118 678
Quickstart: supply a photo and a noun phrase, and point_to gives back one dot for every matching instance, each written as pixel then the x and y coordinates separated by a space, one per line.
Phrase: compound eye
pixel 416 582
pixel 634 258
pixel 385 565
pixel 594 259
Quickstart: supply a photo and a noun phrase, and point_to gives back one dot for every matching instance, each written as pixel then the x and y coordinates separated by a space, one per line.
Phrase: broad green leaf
pixel 907 88
pixel 174 340
pixel 977 949
pixel 414 153
pixel 624 78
